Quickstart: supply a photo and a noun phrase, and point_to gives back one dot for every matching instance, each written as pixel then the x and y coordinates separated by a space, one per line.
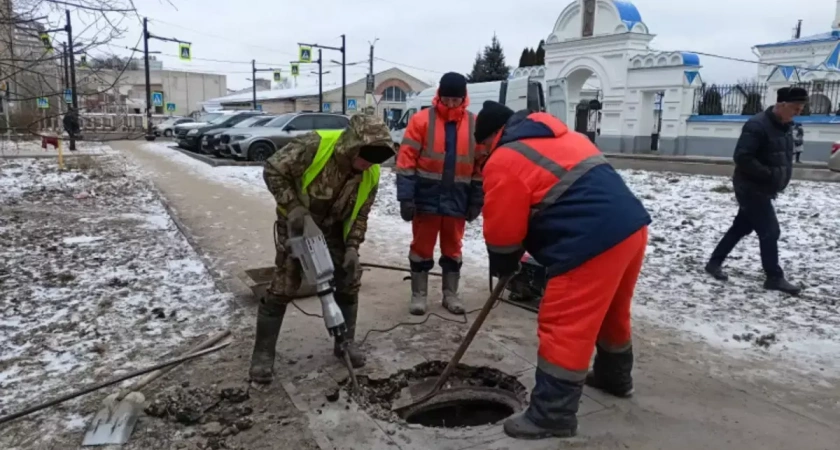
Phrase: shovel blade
pixel 114 424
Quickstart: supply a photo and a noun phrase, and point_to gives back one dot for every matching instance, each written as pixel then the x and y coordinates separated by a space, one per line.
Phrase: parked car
pixel 189 137
pixel 258 144
pixel 211 142
pixel 166 127
pixel 834 158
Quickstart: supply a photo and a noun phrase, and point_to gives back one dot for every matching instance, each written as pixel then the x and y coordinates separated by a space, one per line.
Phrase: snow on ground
pixel 690 214
pixel 33 147
pixel 95 279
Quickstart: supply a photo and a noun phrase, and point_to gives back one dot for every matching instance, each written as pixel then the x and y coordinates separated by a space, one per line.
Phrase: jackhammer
pixel 311 250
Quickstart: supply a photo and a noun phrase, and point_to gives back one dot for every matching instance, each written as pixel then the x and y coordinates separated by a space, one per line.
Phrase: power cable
pixel 751 61
pixel 407 65
pixel 463 321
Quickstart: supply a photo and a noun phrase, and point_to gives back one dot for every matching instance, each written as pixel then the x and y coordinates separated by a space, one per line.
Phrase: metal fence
pixel 750 98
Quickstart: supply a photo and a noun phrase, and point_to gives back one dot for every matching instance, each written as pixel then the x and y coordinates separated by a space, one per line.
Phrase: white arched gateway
pixel 600 49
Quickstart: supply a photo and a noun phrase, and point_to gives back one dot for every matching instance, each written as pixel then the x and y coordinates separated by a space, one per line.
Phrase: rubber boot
pixel 419 293
pixel 611 373
pixel 782 285
pixel 349 306
pixel 552 412
pixel 451 300
pixel 269 320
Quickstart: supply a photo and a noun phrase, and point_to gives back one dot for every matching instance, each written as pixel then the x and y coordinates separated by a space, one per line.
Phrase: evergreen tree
pixel 524 59
pixel 710 103
pixel 539 59
pixel 493 58
pixel 532 57
pixel 477 74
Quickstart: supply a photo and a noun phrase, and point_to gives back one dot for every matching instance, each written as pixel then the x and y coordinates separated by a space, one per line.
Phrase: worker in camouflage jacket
pixel 331 176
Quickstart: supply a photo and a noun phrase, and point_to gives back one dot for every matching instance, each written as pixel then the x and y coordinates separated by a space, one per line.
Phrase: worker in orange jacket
pixel 439 188
pixel 550 191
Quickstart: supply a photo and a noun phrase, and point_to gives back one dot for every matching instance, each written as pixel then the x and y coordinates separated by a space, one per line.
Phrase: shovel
pixel 456 358
pixel 115 421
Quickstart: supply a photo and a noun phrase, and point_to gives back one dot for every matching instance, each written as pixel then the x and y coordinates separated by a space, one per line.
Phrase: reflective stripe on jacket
pixel 437 164
pixel 370 177
pixel 553 192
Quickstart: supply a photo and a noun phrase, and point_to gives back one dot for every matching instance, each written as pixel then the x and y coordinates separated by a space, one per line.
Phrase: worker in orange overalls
pixel 439 188
pixel 550 191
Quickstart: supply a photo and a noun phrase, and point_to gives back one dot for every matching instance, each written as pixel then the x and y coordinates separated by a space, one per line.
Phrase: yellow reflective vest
pixel 370 177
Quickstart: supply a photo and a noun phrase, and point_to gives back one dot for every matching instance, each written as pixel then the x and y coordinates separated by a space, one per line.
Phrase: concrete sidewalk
pixel 689 396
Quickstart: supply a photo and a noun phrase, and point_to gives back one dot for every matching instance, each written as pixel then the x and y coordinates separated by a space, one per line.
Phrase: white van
pixel 517 94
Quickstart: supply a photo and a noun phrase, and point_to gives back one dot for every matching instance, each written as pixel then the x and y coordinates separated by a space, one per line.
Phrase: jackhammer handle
pixel 476 325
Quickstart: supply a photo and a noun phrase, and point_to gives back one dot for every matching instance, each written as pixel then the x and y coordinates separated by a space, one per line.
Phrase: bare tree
pixel 33 63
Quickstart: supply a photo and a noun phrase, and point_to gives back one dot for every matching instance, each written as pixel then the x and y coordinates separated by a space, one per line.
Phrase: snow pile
pixel 95 279
pixel 690 214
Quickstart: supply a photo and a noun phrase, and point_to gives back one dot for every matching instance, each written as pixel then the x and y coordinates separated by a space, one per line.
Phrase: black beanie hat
pixel 797 95
pixel 492 117
pixel 376 154
pixel 452 85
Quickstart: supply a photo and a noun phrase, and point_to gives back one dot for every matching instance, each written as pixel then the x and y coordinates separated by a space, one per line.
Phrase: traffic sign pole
pixel 72 58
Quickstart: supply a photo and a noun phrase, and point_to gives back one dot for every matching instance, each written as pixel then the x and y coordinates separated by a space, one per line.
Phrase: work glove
pixel 473 212
pixel 295 219
pixel 505 264
pixel 407 210
pixel 351 263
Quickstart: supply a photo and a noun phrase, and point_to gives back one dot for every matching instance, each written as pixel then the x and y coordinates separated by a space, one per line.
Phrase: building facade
pixel 391 89
pixel 650 101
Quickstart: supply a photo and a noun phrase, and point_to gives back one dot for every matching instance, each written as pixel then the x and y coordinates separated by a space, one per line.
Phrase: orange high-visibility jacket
pixel 437 164
pixel 551 192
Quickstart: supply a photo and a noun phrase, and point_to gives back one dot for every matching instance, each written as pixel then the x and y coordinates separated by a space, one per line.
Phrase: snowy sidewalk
pixel 683 383
pixel 95 281
pixel 690 214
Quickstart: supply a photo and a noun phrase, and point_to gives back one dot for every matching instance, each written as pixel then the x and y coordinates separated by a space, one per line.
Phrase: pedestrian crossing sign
pixel 43 103
pixel 184 51
pixel 157 98
pixel 305 54
pixel 295 69
pixel 170 107
pixel 351 104
pixel 278 76
pixel 326 107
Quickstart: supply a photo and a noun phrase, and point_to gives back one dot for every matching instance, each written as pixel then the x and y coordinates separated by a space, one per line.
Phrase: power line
pixel 407 65
pixel 274 50
pixel 752 61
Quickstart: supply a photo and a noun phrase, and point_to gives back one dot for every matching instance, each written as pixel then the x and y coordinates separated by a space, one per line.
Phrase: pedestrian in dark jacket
pixel 71 122
pixel 763 167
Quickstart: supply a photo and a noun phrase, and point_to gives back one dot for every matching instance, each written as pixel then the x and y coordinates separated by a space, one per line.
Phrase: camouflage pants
pixel 287 281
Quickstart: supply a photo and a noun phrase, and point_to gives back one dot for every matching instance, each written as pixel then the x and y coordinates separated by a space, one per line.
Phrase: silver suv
pixel 258 144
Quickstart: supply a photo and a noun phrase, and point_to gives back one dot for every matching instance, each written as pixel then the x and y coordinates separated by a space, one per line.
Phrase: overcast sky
pixel 435 36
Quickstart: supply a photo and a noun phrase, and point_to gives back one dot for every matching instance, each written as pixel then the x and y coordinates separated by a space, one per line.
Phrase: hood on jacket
pixel 527 125
pixel 363 130
pixel 450 114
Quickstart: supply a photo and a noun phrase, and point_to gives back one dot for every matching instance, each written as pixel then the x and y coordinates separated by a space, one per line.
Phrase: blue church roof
pixel 628 13
pixel 830 36
pixel 690 59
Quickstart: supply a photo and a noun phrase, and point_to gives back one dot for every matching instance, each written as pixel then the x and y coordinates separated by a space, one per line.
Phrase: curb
pixel 215 162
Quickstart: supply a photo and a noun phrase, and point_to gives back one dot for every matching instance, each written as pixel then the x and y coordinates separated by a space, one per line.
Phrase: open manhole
pixel 473 396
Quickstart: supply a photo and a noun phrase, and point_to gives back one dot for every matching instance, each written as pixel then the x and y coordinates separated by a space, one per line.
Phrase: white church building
pixel 648 101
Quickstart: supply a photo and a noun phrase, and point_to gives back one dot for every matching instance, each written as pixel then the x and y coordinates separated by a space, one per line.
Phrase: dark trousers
pixel 755 213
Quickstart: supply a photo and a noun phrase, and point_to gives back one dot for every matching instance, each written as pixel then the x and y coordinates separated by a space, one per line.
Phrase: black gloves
pixel 504 264
pixel 407 210
pixel 295 219
pixel 473 212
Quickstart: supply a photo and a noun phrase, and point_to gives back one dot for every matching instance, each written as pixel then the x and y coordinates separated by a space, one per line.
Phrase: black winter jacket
pixel 764 155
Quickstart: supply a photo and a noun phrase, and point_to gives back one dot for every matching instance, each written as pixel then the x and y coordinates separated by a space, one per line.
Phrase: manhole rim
pixel 455 394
